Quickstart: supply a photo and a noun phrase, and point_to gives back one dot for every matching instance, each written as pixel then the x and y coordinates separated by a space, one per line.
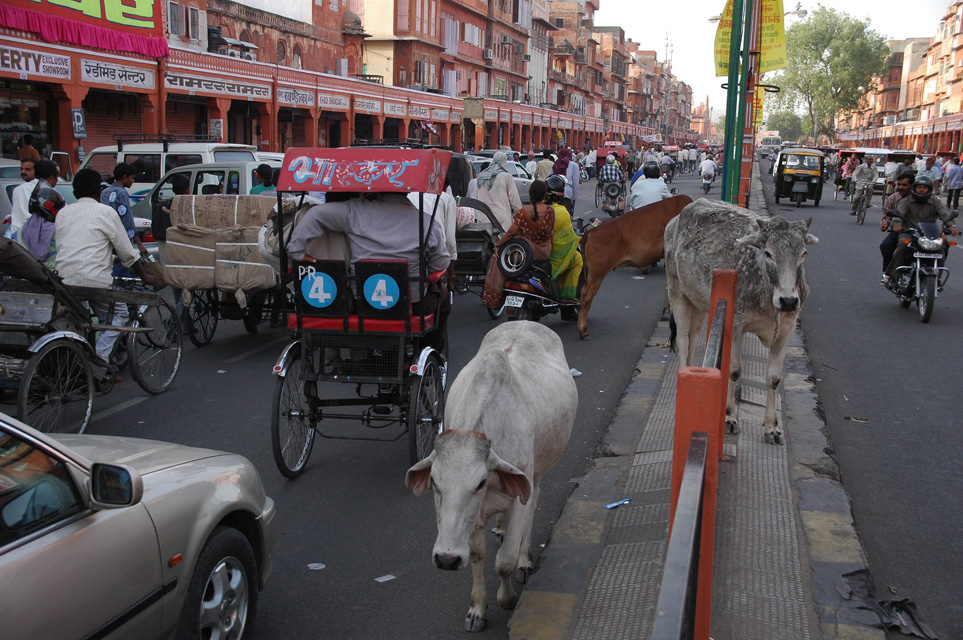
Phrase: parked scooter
pixel 923 278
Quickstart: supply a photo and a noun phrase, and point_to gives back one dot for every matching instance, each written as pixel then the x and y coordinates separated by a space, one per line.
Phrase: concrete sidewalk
pixel 788 564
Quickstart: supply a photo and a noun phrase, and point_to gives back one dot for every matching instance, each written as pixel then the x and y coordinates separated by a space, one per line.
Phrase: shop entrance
pixel 25 108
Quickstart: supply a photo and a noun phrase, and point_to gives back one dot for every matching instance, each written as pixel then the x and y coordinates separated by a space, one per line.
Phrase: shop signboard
pixel 396 109
pixel 333 102
pixel 491 115
pixel 504 116
pixel 28 63
pixel 118 75
pixel 119 25
pixel 296 97
pixel 456 116
pixel 365 105
pixel 419 112
pixel 192 85
pixel 439 115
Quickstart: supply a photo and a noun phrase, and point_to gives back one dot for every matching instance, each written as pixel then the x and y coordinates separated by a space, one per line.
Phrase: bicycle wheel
pixel 861 208
pixel 155 355
pixel 202 316
pixel 57 390
pixel 426 410
pixel 292 429
pixel 598 195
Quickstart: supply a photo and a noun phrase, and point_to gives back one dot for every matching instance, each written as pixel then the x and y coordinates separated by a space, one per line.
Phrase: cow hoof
pixel 732 425
pixel 584 336
pixel 773 438
pixel 475 623
pixel 507 602
pixel 524 571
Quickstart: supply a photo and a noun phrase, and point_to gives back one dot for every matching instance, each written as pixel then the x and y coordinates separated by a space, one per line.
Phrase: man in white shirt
pixel 708 167
pixel 650 188
pixel 889 170
pixel 20 199
pixel 88 235
pixel 531 164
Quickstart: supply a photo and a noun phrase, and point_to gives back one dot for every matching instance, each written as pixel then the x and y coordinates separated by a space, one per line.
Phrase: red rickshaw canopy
pixel 363 169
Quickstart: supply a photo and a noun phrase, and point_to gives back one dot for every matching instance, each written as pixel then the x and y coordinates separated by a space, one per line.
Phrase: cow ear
pixel 511 481
pixel 418 477
pixel 756 240
pixel 803 225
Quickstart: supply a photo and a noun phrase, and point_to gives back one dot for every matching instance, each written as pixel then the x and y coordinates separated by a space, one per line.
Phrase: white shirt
pixel 447 216
pixel 890 169
pixel 707 166
pixel 502 199
pixel 88 235
pixel 646 191
pixel 20 205
pixel 530 167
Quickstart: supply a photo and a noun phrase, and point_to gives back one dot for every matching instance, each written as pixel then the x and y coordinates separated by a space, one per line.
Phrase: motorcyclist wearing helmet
pixel 922 205
pixel 611 173
pixel 650 188
pixel 37 233
pixel 565 258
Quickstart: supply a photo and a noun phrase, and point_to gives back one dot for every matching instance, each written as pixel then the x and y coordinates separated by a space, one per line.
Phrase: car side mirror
pixel 674 191
pixel 114 486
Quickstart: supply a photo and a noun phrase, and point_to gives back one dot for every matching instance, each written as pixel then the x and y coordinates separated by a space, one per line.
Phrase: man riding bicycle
pixel 864 178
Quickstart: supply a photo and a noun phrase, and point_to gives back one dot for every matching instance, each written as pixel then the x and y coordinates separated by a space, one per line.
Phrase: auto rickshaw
pixel 799 175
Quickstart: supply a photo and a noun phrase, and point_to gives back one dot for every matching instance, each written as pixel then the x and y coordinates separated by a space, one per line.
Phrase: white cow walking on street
pixel 768 253
pixel 508 419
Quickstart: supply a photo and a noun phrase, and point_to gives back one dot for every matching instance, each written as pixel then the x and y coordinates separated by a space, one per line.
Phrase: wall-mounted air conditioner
pixel 233 53
pixel 222 51
pixel 487 54
pixel 506 40
pixel 247 55
pixel 526 58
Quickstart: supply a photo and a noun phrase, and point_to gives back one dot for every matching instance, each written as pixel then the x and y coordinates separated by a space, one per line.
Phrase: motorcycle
pixel 667 176
pixel 583 175
pixel 531 292
pixel 613 200
pixel 923 278
pixel 707 179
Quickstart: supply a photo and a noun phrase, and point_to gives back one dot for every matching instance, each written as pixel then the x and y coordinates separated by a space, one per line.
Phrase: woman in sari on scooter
pixel 566 260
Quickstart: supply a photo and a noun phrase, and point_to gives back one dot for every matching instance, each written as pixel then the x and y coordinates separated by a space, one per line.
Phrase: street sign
pixel 79 123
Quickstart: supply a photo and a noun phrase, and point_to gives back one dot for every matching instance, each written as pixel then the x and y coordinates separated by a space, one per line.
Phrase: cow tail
pixel 673 332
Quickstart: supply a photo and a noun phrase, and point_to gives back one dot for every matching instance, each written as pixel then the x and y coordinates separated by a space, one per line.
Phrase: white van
pixel 154 159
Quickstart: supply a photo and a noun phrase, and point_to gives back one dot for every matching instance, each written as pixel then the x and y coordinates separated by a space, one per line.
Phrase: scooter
pixel 667 176
pixel 923 278
pixel 707 179
pixel 531 292
pixel 613 201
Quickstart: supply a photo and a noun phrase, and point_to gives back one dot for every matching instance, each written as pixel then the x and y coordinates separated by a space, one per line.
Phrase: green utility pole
pixel 734 108
pixel 735 150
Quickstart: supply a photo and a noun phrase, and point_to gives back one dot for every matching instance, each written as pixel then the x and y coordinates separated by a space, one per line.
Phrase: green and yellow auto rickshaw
pixel 799 175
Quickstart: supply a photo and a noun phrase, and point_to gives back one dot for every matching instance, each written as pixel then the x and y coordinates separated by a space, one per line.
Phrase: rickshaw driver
pixel 88 234
pixel 384 226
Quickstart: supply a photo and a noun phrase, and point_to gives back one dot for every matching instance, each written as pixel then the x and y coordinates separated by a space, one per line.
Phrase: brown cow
pixel 635 239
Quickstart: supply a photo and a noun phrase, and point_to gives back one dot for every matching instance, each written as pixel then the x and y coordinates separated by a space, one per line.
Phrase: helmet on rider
pixel 46 202
pixel 922 188
pixel 610 159
pixel 556 188
pixel 651 170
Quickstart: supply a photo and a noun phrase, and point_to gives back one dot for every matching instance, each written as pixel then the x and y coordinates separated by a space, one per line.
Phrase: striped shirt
pixel 88 235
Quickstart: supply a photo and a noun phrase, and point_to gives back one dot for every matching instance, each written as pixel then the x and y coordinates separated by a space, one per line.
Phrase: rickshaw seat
pixel 373 325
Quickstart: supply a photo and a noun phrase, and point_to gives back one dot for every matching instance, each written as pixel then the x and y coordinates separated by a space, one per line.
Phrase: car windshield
pixel 796 161
pixel 234 155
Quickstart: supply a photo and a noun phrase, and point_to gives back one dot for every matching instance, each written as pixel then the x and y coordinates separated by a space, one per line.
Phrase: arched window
pixel 282 52
pixel 297 61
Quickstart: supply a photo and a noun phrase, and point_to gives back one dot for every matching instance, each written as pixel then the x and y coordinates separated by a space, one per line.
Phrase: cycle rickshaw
pixel 354 322
pixel 48 337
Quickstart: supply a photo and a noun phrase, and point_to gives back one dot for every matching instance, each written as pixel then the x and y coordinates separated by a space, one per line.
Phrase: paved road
pixel 350 511
pixel 890 387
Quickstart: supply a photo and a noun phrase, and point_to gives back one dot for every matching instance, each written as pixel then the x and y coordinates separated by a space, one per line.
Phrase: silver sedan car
pixel 116 537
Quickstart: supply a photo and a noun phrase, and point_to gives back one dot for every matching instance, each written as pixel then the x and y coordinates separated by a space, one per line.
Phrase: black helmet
pixel 46 202
pixel 651 170
pixel 922 188
pixel 556 187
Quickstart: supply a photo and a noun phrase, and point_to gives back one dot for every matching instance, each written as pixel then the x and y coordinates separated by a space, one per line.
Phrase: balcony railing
pixel 370 78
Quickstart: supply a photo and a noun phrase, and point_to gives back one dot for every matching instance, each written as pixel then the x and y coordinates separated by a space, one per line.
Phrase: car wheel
pixel 222 599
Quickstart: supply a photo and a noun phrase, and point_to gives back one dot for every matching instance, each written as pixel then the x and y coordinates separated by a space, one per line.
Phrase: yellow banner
pixel 772 38
pixel 723 36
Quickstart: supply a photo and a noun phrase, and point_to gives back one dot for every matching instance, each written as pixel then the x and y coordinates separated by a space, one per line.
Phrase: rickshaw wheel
pixel 598 195
pixel 292 430
pixel 57 390
pixel 202 317
pixel 426 410
pixel 155 355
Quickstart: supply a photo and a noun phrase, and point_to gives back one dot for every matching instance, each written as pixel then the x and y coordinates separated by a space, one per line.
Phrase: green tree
pixel 787 123
pixel 721 128
pixel 834 59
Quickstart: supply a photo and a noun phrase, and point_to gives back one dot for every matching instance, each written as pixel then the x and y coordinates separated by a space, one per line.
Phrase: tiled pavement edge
pixel 782 517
